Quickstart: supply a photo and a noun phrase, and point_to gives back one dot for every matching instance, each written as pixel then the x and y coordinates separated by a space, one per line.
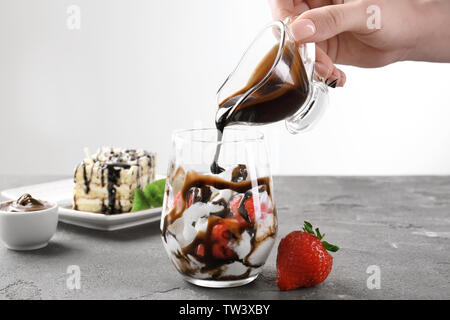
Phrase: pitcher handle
pixel 317 101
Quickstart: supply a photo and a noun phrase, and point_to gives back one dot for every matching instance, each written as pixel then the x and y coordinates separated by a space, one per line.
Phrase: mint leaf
pixel 330 247
pixel 154 192
pixel 140 201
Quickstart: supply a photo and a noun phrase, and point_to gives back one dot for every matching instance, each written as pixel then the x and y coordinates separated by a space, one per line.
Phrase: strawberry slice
pixel 220 233
pixel 221 251
pixel 243 213
pixel 176 200
pixel 190 200
pixel 249 207
pixel 234 206
pixel 200 250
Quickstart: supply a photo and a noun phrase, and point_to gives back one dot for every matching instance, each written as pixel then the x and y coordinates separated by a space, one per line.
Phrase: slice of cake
pixel 105 182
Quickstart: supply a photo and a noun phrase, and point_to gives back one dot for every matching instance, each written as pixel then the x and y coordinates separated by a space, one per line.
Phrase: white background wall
pixel 137 70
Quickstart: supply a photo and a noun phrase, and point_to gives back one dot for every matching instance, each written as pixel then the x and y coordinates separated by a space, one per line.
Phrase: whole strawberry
pixel 303 260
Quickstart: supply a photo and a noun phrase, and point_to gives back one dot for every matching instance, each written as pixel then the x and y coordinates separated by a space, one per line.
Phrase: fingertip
pixel 342 78
pixel 333 77
pixel 325 69
pixel 322 70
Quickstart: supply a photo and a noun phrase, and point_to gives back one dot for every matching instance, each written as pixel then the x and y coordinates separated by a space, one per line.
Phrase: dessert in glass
pixel 219 228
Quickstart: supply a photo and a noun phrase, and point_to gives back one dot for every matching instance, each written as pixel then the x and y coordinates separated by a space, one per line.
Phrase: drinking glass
pixel 218 229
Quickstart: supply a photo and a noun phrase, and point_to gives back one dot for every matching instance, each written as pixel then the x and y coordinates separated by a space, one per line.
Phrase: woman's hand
pixel 368 33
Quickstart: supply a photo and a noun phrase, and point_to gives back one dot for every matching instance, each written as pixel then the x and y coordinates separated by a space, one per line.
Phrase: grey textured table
pixel 400 224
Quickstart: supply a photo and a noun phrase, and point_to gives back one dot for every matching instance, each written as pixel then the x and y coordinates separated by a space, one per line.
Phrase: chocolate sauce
pixel 226 208
pixel 275 99
pixel 86 181
pixel 114 170
pixel 215 168
pixel 26 203
pixel 239 173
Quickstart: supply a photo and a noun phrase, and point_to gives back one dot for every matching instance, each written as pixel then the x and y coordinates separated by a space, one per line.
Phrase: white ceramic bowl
pixel 28 230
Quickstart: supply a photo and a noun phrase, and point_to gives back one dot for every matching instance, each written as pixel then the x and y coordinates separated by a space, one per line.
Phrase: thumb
pixel 322 23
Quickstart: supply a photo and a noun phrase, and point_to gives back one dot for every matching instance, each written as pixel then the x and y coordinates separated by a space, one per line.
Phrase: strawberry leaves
pixel 320 236
pixel 329 246
pixel 307 227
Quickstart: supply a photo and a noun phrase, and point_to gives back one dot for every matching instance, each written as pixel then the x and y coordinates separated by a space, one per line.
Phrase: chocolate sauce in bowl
pixel 275 99
pixel 26 203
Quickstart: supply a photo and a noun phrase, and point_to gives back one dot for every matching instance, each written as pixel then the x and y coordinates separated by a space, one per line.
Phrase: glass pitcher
pixel 273 81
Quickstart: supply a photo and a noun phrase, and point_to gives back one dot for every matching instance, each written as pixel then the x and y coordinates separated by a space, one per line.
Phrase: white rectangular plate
pixel 61 192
